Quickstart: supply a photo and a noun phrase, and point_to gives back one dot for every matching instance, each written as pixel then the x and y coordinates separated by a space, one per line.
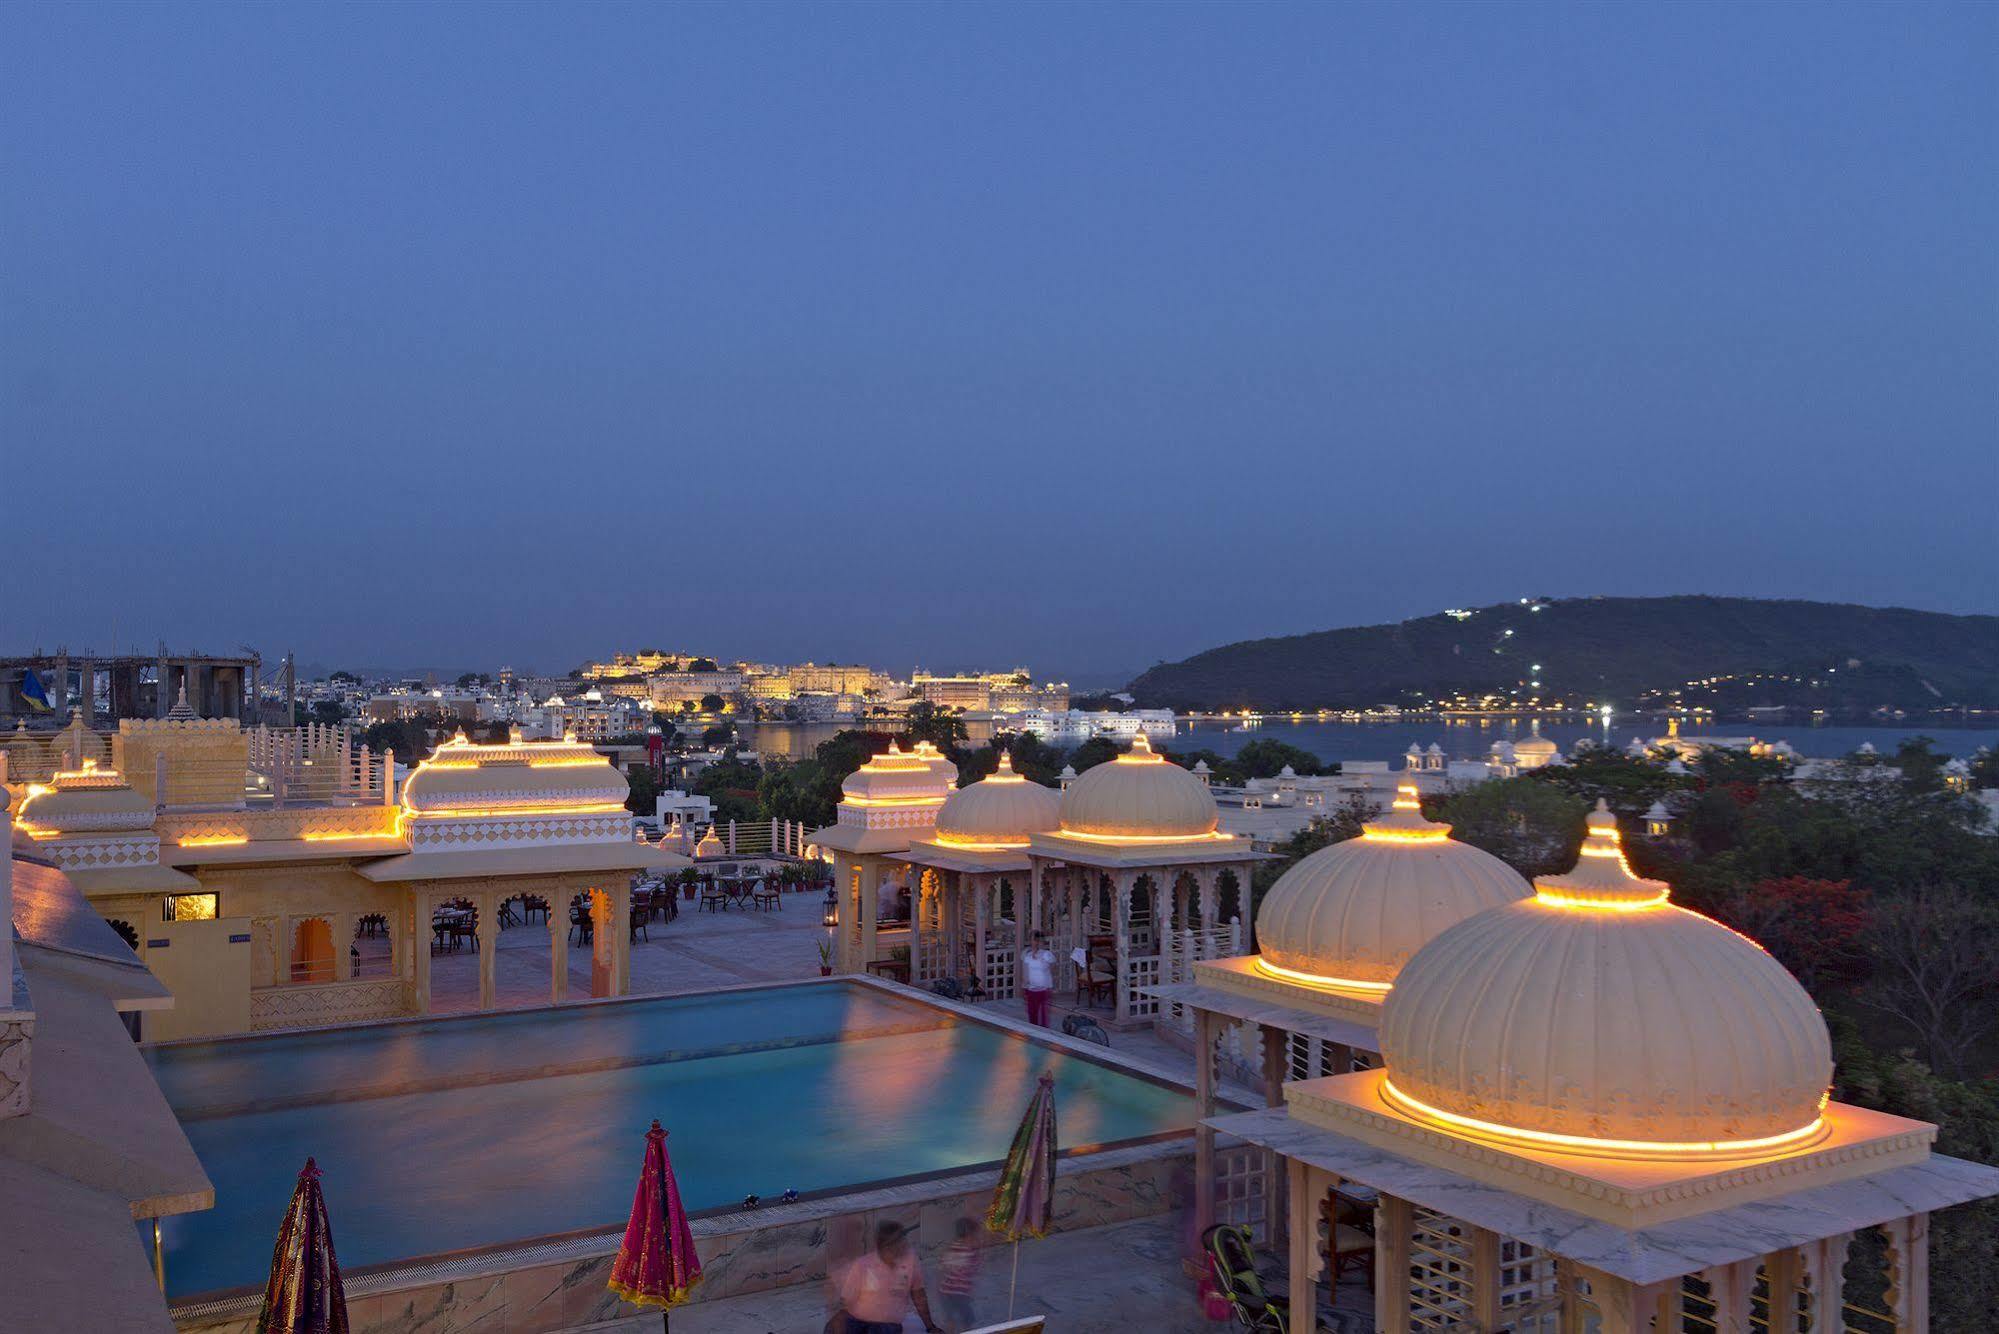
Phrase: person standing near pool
pixel 1037 979
pixel 878 1289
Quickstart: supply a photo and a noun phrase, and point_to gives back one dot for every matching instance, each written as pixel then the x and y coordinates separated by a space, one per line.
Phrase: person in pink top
pixel 878 1289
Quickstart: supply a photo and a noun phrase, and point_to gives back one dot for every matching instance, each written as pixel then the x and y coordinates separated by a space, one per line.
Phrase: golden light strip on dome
pixel 1378 834
pixel 1213 836
pixel 1813 1130
pixel 579 762
pixel 975 845
pixel 893 801
pixel 214 841
pixel 1322 981
pixel 1563 898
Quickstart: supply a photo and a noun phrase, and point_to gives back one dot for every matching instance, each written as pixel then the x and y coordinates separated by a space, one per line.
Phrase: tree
pixel 703 665
pixel 1985 768
pixel 646 785
pixel 712 703
pixel 940 727
pixel 344 677
pixel 1097 750
pixel 719 734
pixel 1033 759
pixel 1630 784
pixel 471 679
pixel 1720 764
pixel 1266 758
pixel 1814 928
pixel 1921 765
pixel 1936 969
pixel 1534 827
pixel 409 739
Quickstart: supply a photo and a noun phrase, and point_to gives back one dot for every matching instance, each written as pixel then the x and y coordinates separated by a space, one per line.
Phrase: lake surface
pixel 1472 738
pixel 1461 738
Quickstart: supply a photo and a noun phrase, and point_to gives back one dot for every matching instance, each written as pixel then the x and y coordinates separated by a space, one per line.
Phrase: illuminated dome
pixel 464 777
pixel 1355 912
pixel 1598 1016
pixel 88 800
pixel 1003 809
pixel 1139 795
pixel 1534 750
pixel 902 775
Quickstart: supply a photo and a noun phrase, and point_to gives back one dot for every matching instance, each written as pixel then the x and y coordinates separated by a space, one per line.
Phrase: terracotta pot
pixel 687 892
pixel 825 970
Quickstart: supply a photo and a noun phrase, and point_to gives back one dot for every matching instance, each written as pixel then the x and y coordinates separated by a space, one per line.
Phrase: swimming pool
pixel 448 1134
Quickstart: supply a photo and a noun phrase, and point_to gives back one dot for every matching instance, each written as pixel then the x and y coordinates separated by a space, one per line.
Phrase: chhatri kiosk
pixel 1598 1111
pixel 1334 933
pixel 1124 866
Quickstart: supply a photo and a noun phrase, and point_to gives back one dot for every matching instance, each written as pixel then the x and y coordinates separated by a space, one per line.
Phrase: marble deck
pixel 560 1284
pixel 1119 1277
pixel 1662 1251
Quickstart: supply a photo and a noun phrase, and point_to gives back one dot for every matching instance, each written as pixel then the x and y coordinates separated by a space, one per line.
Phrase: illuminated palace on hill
pixel 243 865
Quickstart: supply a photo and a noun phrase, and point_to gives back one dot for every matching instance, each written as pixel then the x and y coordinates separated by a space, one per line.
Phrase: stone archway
pixel 312 950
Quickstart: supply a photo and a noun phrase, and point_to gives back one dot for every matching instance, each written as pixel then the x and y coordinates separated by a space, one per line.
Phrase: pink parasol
pixel 304 1295
pixel 656 1264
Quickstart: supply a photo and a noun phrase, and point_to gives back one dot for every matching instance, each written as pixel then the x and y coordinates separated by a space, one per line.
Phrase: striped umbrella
pixel 304 1294
pixel 656 1264
pixel 1024 1204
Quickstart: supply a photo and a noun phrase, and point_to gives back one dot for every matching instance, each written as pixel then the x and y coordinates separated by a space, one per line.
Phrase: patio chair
pixel 581 928
pixel 1234 1266
pixel 714 895
pixel 638 915
pixel 1349 1236
pixel 768 896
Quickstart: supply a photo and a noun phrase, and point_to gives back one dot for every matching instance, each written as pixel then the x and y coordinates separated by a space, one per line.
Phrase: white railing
pixel 1183 950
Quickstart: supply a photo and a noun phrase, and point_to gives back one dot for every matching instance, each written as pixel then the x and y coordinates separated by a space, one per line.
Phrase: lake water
pixel 1461 738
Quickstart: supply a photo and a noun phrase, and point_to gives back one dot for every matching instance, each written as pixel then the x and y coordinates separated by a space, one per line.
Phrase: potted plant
pixel 826 957
pixel 689 878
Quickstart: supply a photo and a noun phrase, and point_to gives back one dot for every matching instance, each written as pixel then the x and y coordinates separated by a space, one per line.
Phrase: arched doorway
pixel 312 951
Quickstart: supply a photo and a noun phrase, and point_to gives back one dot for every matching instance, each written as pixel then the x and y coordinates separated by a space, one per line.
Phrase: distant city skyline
pixel 968 336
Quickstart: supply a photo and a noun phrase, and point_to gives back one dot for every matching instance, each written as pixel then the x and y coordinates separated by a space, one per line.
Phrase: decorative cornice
pixel 1630 1193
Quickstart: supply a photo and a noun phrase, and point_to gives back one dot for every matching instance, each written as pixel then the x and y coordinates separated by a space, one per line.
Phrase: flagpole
pixel 1013 1282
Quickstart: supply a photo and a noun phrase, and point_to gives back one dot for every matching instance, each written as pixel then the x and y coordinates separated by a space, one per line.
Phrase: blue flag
pixel 31 690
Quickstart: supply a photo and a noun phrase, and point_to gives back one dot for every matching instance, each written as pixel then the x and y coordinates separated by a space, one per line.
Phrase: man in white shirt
pixel 1037 979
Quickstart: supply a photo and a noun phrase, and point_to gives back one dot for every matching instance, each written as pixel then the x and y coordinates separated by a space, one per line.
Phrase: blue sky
pixel 1074 336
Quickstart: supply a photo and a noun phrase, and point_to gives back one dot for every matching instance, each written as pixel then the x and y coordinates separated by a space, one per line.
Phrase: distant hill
pixel 1615 648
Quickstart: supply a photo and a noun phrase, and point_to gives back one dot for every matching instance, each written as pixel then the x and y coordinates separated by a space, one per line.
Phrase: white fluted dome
pixel 1534 744
pixel 903 775
pixel 1003 809
pixel 1597 1010
pixel 1138 795
pixel 463 776
pixel 1356 911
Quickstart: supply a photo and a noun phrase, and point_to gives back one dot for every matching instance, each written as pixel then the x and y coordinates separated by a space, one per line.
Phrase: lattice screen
pixel 1242 1181
pixel 1440 1272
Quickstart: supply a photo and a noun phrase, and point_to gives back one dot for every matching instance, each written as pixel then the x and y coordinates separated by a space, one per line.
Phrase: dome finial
pixel 1005 765
pixel 1141 744
pixel 1602 878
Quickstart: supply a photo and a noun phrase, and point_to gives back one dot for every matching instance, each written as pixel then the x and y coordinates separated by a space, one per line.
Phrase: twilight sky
pixel 1079 337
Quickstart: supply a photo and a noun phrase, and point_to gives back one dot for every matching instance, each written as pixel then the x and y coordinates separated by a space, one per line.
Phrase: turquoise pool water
pixel 453 1133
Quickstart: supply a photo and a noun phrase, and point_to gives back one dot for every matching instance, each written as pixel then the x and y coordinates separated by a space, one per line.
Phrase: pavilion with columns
pixel 251 910
pixel 1593 1110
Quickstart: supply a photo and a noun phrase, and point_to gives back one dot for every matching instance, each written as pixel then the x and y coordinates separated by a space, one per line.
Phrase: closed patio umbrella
pixel 304 1295
pixel 656 1264
pixel 1024 1204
